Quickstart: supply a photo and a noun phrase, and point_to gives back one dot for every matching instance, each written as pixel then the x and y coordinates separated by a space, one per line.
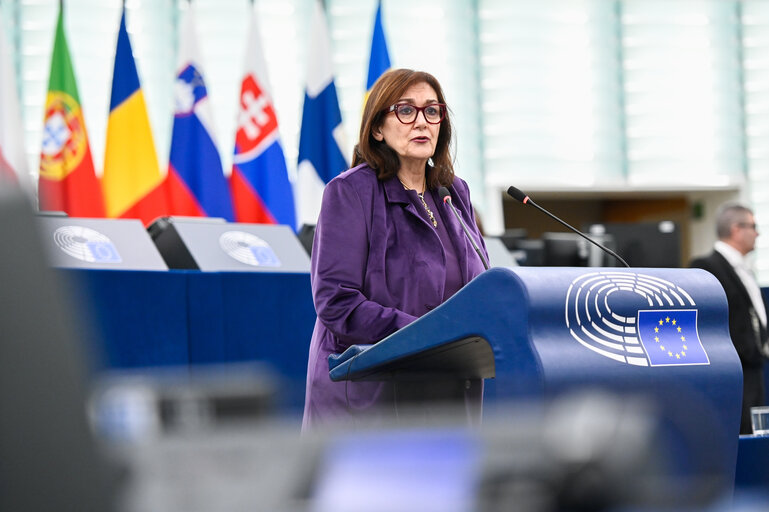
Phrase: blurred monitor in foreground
pixel 139 404
pixel 590 451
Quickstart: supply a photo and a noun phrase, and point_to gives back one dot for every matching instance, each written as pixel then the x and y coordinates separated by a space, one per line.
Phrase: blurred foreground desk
pixel 153 319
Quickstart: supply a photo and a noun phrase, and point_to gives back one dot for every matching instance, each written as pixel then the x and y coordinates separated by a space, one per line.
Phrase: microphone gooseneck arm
pixel 523 198
pixel 446 196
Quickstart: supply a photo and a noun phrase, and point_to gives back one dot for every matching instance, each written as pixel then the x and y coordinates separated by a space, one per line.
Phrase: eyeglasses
pixel 407 113
pixel 747 225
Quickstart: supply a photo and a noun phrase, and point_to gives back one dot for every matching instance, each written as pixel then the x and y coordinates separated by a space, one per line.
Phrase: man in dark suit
pixel 736 230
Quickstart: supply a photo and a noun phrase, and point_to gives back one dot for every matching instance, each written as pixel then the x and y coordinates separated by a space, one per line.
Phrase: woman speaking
pixel 386 250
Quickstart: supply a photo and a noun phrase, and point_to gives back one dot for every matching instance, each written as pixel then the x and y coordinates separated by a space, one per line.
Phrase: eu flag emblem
pixel 103 252
pixel 670 337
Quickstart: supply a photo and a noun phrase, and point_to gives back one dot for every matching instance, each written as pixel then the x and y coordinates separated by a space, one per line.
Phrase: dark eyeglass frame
pixel 394 109
pixel 752 226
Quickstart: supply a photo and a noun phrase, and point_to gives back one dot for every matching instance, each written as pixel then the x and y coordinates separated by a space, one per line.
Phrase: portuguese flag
pixel 67 179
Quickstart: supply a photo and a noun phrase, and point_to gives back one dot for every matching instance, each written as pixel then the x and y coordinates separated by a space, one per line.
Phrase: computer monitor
pixel 644 244
pixel 564 250
pixel 512 236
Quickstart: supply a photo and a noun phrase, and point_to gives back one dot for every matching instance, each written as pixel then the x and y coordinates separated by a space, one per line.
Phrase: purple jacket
pixel 377 265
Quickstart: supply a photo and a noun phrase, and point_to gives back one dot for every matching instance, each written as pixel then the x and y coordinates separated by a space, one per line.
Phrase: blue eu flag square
pixel 103 252
pixel 670 337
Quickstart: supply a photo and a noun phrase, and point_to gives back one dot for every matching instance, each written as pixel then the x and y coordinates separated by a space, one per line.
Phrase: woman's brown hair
pixel 381 157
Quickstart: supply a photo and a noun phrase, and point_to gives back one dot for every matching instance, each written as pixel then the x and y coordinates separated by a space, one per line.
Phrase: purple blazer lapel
pixel 395 193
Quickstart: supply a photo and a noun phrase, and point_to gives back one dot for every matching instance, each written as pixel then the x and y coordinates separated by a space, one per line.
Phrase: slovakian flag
pixel 322 135
pixel 13 160
pixel 195 183
pixel 67 179
pixel 261 190
pixel 379 59
pixel 132 182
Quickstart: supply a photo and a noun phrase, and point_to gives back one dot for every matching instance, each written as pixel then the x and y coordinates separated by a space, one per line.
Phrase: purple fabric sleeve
pixel 339 261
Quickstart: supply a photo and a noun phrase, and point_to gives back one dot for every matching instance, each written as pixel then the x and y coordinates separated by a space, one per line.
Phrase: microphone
pixel 446 196
pixel 518 195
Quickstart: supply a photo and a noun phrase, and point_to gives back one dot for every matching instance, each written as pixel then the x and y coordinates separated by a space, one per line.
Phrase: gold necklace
pixel 422 198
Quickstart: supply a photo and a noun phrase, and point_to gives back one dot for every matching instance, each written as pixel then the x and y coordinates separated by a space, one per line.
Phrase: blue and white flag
pixel 321 141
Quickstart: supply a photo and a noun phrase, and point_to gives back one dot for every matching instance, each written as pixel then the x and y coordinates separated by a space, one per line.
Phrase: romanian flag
pixel 195 183
pixel 261 190
pixel 379 59
pixel 132 180
pixel 67 179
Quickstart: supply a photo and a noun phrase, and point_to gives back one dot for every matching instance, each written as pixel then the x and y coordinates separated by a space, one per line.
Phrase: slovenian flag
pixel 195 183
pixel 67 180
pixel 13 160
pixel 379 59
pixel 261 190
pixel 132 182
pixel 322 136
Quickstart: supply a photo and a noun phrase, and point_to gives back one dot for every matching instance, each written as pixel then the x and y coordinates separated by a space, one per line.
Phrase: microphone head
pixel 444 193
pixel 517 194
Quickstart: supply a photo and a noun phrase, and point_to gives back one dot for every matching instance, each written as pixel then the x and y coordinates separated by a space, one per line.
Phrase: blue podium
pixel 537 333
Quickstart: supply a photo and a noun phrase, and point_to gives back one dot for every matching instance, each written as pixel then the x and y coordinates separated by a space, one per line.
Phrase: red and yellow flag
pixel 67 180
pixel 132 181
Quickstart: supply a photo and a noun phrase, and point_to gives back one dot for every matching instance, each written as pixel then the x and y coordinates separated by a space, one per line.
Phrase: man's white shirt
pixel 745 273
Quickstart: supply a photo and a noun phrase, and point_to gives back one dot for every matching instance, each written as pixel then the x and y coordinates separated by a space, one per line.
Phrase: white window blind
pixel 755 42
pixel 683 98
pixel 550 86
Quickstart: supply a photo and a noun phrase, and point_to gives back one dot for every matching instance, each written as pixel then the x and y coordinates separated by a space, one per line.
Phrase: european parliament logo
pixel 670 337
pixel 249 249
pixel 86 244
pixel 636 319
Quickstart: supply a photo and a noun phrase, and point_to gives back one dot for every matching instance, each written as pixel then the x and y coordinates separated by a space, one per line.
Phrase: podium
pixel 537 333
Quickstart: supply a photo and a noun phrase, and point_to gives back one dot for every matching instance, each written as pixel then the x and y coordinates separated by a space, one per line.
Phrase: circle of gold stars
pixel 672 322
